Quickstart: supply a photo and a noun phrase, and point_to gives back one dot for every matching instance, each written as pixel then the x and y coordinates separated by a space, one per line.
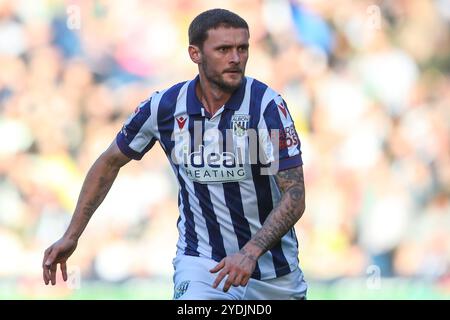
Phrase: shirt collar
pixel 194 106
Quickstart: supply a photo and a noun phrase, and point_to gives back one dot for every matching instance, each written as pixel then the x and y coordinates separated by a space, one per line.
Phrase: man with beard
pixel 234 150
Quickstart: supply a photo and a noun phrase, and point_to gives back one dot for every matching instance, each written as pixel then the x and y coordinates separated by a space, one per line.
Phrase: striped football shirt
pixel 219 161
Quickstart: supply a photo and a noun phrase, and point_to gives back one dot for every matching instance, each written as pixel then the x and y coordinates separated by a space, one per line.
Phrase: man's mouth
pixel 232 71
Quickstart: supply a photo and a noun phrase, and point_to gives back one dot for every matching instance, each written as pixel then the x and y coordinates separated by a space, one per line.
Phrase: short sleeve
pixel 137 134
pixel 282 143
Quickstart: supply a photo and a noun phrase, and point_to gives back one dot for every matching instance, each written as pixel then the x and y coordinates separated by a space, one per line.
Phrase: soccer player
pixel 235 152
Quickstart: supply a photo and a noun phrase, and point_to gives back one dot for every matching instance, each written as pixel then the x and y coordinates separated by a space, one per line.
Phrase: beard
pixel 218 80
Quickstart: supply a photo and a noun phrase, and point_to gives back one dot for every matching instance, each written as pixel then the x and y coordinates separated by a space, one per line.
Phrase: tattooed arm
pixel 95 187
pixel 283 217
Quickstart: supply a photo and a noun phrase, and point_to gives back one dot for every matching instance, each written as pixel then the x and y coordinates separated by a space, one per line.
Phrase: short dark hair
pixel 212 19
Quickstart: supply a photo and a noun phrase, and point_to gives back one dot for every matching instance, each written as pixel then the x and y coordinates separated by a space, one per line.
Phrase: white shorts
pixel 193 281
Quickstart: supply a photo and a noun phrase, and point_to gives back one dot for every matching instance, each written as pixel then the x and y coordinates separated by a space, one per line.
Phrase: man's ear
pixel 195 54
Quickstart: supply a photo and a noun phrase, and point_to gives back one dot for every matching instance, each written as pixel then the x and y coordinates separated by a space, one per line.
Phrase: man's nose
pixel 234 56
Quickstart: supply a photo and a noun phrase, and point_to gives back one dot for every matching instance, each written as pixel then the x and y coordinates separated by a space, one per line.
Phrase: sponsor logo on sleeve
pixel 288 137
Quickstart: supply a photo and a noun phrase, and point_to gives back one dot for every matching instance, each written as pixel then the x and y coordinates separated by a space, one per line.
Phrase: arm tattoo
pixel 97 199
pixel 96 185
pixel 290 209
pixel 248 254
pixel 102 182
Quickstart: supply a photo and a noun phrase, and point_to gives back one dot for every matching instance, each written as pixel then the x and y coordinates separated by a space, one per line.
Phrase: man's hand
pixel 95 187
pixel 58 252
pixel 239 267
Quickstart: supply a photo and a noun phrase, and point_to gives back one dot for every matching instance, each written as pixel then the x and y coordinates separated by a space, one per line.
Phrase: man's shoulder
pixel 170 91
pixel 257 83
pixel 165 99
pixel 263 91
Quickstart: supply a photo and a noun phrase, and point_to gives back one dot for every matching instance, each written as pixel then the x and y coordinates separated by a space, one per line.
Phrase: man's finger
pixel 63 267
pixel 229 282
pixel 219 278
pixel 53 274
pixel 219 266
pixel 237 281
pixel 47 276
pixel 46 254
pixel 44 275
pixel 245 281
pixel 45 267
pixel 51 258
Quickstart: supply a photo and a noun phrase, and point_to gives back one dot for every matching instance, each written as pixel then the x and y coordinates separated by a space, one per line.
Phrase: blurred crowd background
pixel 368 83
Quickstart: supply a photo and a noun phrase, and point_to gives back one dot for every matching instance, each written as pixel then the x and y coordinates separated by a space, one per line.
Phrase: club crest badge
pixel 181 289
pixel 239 124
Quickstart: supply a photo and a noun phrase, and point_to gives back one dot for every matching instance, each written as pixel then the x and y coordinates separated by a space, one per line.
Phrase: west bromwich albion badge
pixel 239 124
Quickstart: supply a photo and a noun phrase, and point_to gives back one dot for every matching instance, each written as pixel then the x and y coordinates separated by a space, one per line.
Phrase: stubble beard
pixel 218 80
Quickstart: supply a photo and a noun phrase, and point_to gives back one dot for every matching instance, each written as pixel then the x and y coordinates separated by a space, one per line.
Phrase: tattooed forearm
pixel 284 216
pixel 103 186
pixel 98 181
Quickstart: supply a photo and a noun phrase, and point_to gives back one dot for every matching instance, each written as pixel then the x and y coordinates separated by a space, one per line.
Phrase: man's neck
pixel 211 96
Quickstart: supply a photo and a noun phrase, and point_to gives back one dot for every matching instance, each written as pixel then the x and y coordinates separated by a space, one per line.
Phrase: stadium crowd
pixel 368 83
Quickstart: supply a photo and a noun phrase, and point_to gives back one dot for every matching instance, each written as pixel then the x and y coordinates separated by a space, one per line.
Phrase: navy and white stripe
pixel 217 218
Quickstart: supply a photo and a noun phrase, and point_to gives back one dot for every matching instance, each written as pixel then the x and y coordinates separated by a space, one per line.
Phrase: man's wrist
pixel 252 251
pixel 72 236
